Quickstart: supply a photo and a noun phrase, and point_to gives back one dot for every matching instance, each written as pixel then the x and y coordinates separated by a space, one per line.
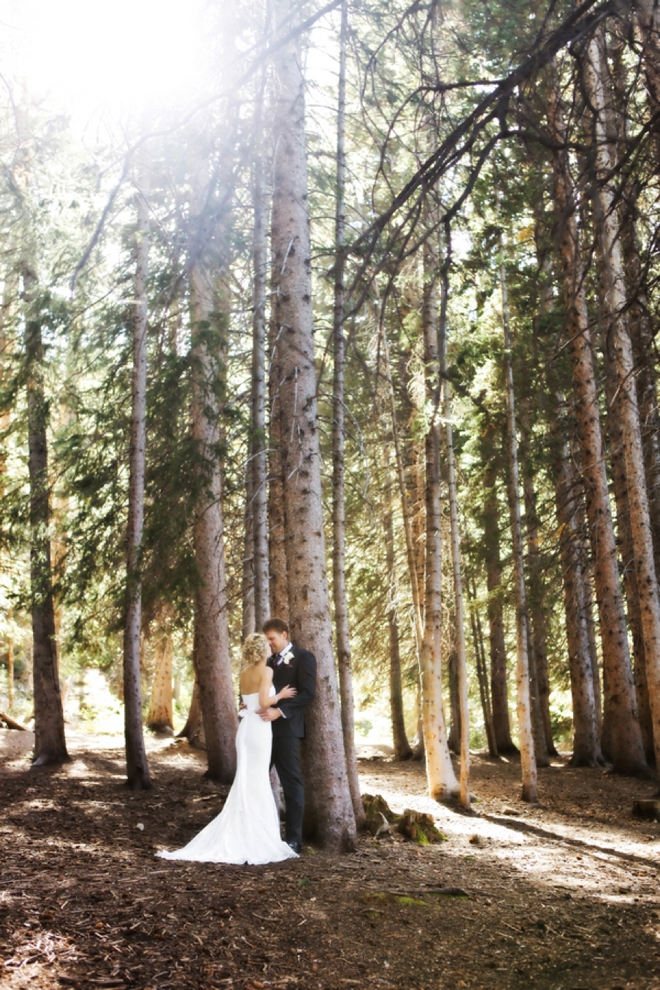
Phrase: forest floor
pixel 563 896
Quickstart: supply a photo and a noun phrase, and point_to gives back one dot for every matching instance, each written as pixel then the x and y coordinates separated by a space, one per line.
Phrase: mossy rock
pixel 420 828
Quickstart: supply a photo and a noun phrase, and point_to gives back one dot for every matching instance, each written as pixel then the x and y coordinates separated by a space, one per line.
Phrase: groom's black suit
pixel 289 729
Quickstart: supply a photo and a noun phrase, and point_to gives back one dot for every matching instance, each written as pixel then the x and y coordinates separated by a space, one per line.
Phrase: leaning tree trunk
pixel 621 728
pixel 137 767
pixel 338 501
pixel 613 306
pixel 212 661
pixel 527 757
pixel 49 742
pixel 330 813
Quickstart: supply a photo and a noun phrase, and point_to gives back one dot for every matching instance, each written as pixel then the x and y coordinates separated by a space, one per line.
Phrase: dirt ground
pixel 561 896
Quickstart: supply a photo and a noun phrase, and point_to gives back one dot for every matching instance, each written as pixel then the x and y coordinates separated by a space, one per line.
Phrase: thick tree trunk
pixel 586 736
pixel 338 507
pixel 160 718
pixel 212 661
pixel 49 743
pixel 527 756
pixel 258 466
pixel 620 722
pixel 625 541
pixel 329 805
pixel 491 551
pixel 613 307
pixel 137 767
pixel 402 750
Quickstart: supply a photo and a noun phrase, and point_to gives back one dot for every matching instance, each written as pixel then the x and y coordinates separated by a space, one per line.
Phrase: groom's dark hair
pixel 275 625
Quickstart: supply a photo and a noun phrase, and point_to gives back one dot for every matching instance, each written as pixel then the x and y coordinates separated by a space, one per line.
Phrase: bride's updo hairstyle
pixel 255 649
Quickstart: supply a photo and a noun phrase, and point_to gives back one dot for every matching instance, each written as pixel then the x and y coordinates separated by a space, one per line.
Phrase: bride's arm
pixel 265 697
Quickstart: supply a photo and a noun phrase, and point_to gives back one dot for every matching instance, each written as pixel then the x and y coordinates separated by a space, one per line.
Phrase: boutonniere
pixel 287 658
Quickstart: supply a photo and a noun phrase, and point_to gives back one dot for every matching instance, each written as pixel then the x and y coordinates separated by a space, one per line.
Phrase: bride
pixel 247 830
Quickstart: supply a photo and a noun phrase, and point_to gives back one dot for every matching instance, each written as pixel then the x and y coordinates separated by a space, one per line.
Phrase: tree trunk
pixel 491 551
pixel 613 307
pixel 212 661
pixel 625 541
pixel 402 750
pixel 538 650
pixel 160 717
pixel 49 742
pixel 620 722
pixel 258 465
pixel 482 674
pixel 461 653
pixel 527 757
pixel 440 774
pixel 137 767
pixel 193 730
pixel 338 503
pixel 329 806
pixel 586 744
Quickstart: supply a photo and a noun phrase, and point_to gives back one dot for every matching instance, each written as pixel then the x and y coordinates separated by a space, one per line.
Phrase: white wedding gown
pixel 247 830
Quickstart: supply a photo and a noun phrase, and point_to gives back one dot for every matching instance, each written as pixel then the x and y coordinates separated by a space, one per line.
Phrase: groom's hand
pixel 269 714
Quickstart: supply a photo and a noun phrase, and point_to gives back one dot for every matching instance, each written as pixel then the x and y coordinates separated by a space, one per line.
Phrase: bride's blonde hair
pixel 255 648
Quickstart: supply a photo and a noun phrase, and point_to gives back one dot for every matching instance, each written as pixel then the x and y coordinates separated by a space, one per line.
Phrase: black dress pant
pixel 286 757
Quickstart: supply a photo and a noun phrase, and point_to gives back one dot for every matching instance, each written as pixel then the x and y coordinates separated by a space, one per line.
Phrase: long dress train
pixel 247 830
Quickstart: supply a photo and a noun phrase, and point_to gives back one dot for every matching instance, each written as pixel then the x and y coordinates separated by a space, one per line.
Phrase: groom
pixel 295 667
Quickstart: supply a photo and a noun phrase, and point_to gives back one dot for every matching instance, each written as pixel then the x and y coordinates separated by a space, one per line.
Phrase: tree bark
pixel 527 756
pixel 402 750
pixel 461 653
pixel 212 661
pixel 342 631
pixel 613 303
pixel 568 491
pixel 440 774
pixel 620 722
pixel 482 675
pixel 491 551
pixel 329 809
pixel 258 465
pixel 137 767
pixel 49 742
pixel 160 718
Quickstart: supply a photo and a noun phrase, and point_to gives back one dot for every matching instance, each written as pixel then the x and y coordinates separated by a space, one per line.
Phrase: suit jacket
pixel 299 673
